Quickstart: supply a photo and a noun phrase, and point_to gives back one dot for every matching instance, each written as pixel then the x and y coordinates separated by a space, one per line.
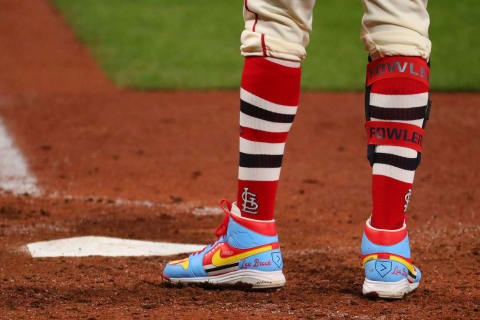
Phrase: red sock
pixel 399 99
pixel 268 103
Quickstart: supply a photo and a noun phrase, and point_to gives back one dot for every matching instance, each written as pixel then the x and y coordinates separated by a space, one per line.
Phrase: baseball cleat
pixel 246 254
pixel 389 272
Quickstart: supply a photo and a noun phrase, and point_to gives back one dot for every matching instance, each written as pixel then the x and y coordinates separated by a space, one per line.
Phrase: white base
pixel 107 246
pixel 258 279
pixel 389 290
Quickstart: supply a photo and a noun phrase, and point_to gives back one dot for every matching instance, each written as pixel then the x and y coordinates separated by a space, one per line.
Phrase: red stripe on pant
pixel 264 46
pixel 256 15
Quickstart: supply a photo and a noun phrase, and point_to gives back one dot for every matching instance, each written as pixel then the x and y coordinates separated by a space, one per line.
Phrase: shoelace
pixel 222 228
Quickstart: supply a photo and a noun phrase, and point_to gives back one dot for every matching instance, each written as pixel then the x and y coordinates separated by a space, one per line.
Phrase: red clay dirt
pixel 90 144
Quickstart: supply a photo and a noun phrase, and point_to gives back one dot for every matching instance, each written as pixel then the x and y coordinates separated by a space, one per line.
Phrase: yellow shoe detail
pixel 184 263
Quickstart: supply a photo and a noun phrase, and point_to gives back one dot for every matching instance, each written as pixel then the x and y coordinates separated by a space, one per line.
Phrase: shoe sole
pixel 388 290
pixel 253 279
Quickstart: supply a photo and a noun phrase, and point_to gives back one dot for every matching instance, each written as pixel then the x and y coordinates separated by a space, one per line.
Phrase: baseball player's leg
pixel 273 43
pixel 397 106
pixel 247 251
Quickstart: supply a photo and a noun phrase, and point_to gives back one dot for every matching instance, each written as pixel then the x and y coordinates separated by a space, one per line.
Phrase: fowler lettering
pixel 400 67
pixel 396 134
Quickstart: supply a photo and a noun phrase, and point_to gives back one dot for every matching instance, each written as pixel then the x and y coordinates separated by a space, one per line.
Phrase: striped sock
pixel 269 97
pixel 402 100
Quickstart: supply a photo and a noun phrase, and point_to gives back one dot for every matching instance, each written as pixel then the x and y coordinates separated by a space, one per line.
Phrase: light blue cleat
pixel 389 272
pixel 246 253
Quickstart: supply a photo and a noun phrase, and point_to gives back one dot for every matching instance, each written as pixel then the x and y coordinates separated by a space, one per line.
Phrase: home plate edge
pixel 106 246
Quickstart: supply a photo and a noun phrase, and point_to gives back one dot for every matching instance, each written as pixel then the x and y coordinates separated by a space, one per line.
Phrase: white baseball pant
pixel 281 28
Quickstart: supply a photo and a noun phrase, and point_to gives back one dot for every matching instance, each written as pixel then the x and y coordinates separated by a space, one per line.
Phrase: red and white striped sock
pixel 269 98
pixel 401 100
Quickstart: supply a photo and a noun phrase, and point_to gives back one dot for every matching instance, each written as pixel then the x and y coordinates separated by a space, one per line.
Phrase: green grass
pixel 152 44
pixel 455 34
pixel 194 44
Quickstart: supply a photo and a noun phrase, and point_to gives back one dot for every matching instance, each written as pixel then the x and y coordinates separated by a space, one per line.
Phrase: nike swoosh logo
pixel 219 261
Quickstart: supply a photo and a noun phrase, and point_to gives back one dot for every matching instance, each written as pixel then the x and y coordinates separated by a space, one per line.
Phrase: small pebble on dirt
pixel 196 174
pixel 46 147
pixel 176 199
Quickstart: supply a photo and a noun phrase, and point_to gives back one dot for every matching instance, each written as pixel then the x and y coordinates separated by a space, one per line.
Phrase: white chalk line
pixel 14 174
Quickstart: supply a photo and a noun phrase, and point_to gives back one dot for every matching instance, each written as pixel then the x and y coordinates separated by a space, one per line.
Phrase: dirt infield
pixel 99 152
